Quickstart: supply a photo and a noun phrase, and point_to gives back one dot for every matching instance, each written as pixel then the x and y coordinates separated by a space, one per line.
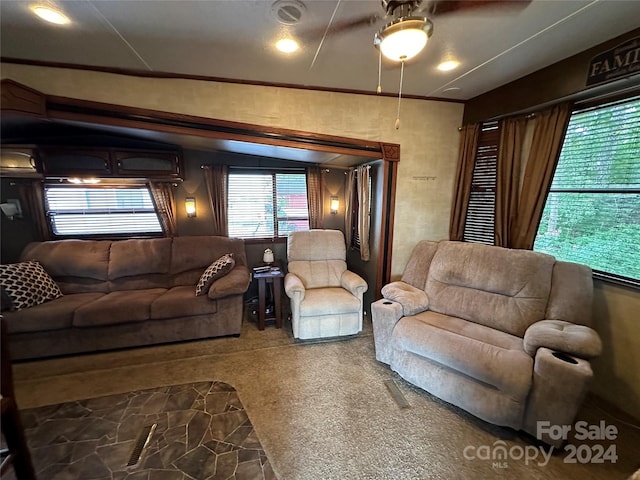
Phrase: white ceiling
pixel 233 39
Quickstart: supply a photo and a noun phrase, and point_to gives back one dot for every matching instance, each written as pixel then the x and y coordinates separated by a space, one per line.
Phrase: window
pixel 479 224
pixel 592 213
pixel 75 211
pixel 267 204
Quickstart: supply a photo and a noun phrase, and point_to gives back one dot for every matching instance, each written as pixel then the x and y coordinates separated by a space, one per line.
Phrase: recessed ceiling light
pixel 287 45
pixel 50 14
pixel 448 65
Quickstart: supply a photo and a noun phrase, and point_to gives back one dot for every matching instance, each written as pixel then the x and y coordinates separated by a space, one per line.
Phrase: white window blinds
pixel 592 213
pixel 77 211
pixel 479 225
pixel 267 204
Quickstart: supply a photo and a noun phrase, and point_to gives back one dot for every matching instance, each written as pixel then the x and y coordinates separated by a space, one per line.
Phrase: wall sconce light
pixel 335 205
pixel 12 208
pixel 190 206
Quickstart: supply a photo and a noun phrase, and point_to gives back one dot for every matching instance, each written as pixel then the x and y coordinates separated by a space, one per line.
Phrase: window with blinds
pixel 267 205
pixel 479 224
pixel 76 211
pixel 592 213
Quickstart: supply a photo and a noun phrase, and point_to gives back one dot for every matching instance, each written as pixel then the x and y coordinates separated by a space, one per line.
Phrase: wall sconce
pixel 190 206
pixel 267 257
pixel 12 208
pixel 335 205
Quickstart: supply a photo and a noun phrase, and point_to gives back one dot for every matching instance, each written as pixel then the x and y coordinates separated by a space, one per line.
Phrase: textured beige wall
pixel 617 371
pixel 428 134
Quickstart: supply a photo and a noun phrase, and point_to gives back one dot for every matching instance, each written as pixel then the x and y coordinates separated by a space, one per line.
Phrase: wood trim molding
pixel 390 151
pixel 18 99
pixel 390 158
pixel 205 78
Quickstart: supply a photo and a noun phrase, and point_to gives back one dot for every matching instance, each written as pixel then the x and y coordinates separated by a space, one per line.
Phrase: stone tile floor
pixel 202 432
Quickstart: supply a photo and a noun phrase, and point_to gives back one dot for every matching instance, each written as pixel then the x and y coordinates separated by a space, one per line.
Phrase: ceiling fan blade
pixel 342 26
pixel 444 7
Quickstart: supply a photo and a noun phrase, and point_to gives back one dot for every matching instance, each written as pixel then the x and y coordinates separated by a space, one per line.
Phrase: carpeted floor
pixel 322 411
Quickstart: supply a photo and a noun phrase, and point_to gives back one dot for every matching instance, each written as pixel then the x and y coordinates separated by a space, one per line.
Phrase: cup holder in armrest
pixel 565 358
pixel 387 303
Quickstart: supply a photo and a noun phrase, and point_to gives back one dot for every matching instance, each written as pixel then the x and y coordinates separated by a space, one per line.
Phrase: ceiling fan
pixel 409 28
pixel 410 25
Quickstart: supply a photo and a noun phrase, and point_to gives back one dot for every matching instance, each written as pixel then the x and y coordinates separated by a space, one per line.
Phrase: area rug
pixel 193 431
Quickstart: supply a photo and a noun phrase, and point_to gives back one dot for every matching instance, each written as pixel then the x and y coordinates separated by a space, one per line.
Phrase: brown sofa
pixel 500 333
pixel 125 293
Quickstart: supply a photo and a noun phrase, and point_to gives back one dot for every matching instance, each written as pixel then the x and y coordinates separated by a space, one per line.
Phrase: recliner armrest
pixel 412 299
pixel 566 337
pixel 293 287
pixel 354 283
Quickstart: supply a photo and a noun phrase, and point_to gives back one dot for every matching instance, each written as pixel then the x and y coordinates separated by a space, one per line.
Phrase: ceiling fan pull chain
pixel 379 90
pixel 400 94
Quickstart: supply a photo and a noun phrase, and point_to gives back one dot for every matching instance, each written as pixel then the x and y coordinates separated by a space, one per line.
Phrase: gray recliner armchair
pixel 326 298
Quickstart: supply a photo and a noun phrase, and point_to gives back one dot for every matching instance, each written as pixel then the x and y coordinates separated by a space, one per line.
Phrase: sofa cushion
pixel 88 259
pixel 328 301
pixel 317 267
pixel 139 257
pixel 117 307
pixel 216 270
pixel 54 315
pixel 190 255
pixel 489 356
pixel 417 268
pixel 571 297
pixel 497 287
pixel 181 302
pixel 28 284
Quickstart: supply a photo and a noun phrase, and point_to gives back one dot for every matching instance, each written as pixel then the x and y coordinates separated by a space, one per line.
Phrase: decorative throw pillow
pixel 27 284
pixel 216 270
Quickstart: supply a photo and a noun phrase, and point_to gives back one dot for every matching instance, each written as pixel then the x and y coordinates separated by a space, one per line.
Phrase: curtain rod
pixel 239 167
pixel 497 119
pixel 368 164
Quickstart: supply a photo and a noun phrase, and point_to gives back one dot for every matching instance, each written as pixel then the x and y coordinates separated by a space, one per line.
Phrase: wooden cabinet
pixel 110 163
pixel 19 162
pixel 76 162
pixel 143 163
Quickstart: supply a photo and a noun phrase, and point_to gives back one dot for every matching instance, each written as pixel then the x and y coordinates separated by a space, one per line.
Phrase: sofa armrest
pixel 233 283
pixel 294 287
pixel 559 385
pixel 412 299
pixel 354 283
pixel 385 314
pixel 566 337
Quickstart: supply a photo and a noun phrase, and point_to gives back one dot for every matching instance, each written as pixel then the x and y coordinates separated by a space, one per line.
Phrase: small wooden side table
pixel 275 279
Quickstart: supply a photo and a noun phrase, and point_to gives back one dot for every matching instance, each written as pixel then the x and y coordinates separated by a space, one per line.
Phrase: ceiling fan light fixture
pixel 404 38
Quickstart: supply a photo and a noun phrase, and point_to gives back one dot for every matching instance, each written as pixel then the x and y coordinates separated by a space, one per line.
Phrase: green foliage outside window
pixel 592 214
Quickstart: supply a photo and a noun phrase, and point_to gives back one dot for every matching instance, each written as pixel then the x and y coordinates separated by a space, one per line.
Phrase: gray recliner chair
pixel 326 298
